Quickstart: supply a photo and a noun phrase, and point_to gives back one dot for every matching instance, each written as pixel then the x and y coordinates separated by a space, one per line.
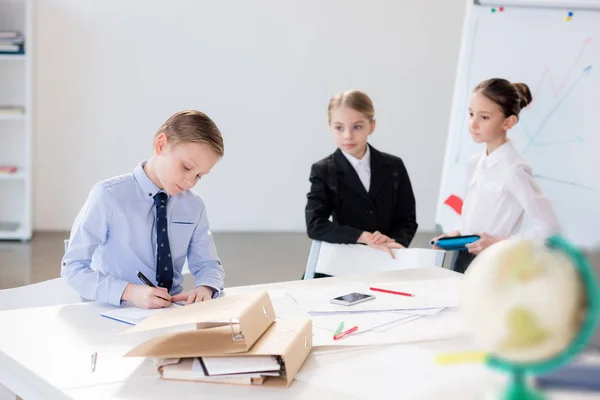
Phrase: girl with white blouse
pixel 500 185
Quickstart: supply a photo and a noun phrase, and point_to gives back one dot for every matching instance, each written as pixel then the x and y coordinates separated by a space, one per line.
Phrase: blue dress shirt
pixel 114 236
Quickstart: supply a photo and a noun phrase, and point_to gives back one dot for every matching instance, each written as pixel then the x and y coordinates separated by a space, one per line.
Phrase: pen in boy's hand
pixel 149 283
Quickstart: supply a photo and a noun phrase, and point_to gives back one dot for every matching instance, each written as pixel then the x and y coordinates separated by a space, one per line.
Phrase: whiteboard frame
pixel 579 4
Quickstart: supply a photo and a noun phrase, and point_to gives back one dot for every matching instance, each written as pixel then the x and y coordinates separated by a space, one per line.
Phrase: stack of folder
pixel 235 339
pixel 11 42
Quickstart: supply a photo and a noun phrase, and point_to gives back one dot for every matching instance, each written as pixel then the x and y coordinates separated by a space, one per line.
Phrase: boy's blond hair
pixel 191 126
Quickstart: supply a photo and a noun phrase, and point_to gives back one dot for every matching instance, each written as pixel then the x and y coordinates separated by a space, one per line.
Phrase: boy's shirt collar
pixel 145 183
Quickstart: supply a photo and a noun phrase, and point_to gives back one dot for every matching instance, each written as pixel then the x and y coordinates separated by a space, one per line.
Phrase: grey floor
pixel 249 257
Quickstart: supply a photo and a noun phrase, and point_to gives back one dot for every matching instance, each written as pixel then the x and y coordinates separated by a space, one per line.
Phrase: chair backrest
pixel 48 293
pixel 347 259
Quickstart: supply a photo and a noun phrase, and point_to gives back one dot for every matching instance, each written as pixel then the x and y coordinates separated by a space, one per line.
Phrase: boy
pixel 150 221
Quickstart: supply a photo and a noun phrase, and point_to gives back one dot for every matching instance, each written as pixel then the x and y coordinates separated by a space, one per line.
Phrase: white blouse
pixel 362 167
pixel 501 190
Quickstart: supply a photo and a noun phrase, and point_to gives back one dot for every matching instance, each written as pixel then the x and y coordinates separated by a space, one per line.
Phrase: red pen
pixel 349 331
pixel 374 289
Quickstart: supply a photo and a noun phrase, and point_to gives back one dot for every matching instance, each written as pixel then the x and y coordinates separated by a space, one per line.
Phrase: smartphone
pixel 351 299
pixel 455 242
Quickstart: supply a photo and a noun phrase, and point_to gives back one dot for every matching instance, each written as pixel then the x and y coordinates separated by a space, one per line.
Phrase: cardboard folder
pixel 227 325
pixel 289 340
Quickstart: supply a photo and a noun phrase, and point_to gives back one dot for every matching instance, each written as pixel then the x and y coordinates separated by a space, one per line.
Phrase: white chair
pixel 347 259
pixel 48 293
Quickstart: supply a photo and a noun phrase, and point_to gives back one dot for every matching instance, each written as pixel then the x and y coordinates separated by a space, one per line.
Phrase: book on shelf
pixel 10 48
pixel 10 34
pixel 8 226
pixel 17 40
pixel 8 109
pixel 13 53
pixel 8 169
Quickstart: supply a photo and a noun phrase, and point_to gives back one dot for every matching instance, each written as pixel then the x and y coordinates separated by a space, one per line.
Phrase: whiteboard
pixel 559 132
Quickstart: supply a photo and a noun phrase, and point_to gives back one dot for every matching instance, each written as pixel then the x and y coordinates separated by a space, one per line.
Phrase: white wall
pixel 109 73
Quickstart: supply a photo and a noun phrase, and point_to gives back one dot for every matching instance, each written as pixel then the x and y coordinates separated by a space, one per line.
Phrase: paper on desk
pixel 134 315
pixel 410 372
pixel 447 324
pixel 285 305
pixel 428 294
pixel 130 315
pixel 445 292
pixel 364 321
pixel 349 311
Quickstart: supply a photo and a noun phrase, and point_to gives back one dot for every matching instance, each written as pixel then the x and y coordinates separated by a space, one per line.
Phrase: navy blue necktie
pixel 164 264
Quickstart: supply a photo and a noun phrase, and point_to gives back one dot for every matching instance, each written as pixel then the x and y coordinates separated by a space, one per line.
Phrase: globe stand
pixel 519 390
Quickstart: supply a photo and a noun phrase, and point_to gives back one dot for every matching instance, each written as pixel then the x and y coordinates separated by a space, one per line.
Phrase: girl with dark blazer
pixel 366 193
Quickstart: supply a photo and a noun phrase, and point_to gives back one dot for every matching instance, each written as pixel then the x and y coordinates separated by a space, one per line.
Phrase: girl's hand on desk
pixel 201 293
pixel 379 238
pixel 146 297
pixel 387 247
pixel 483 243
pixel 365 238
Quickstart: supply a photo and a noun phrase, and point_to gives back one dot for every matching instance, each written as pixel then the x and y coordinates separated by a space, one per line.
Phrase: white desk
pixel 45 354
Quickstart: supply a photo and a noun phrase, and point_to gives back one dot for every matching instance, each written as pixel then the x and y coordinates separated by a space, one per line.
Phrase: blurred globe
pixel 523 301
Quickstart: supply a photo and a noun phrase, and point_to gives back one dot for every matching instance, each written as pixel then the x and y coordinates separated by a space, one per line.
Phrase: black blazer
pixel 389 207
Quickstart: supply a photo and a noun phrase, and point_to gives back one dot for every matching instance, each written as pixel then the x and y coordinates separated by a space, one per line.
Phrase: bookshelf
pixel 16 126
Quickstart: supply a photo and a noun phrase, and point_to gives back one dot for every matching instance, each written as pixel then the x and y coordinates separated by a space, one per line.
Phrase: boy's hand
pixel 146 297
pixel 201 293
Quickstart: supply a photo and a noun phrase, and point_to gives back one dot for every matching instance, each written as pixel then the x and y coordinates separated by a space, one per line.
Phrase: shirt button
pixel 150 194
pixel 166 268
pixel 163 229
pixel 64 264
pixel 162 245
pixel 370 212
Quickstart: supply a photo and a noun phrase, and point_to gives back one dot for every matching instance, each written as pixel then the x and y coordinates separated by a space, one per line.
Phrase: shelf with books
pixel 16 93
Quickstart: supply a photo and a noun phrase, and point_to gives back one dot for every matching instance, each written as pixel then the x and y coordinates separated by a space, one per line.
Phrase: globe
pixel 531 306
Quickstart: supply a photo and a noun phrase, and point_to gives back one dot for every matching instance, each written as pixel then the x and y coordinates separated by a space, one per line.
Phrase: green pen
pixel 339 328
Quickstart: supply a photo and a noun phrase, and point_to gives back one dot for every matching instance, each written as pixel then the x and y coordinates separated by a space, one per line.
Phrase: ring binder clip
pixel 236 336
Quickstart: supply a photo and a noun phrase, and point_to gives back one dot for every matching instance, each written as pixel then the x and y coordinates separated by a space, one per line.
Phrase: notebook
pixel 576 376
pixel 133 315
pixel 582 374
